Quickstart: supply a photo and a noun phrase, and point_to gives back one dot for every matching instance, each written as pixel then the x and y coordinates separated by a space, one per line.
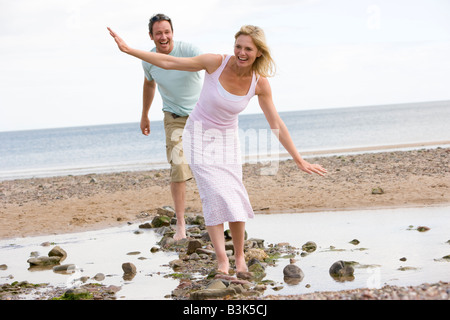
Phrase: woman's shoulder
pixel 262 86
pixel 212 61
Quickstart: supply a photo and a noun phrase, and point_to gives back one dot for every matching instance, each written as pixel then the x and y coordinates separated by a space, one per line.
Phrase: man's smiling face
pixel 162 36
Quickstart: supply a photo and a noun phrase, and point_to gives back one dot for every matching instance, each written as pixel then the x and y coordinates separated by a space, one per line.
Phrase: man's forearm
pixel 147 96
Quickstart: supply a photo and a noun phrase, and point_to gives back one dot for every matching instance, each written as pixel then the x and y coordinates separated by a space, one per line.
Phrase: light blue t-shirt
pixel 179 90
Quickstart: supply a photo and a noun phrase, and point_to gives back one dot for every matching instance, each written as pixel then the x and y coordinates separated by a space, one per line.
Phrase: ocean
pixel 122 147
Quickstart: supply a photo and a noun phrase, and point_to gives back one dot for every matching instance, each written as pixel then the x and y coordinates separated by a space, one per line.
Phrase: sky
pixel 59 67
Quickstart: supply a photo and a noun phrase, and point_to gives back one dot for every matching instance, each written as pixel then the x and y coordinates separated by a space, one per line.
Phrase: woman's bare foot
pixel 241 266
pixel 223 267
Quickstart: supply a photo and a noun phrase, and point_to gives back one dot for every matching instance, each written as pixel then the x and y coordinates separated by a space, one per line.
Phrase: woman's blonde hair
pixel 264 65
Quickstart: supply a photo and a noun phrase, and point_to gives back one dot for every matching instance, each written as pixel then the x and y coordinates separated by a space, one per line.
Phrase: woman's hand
pixel 311 168
pixel 120 43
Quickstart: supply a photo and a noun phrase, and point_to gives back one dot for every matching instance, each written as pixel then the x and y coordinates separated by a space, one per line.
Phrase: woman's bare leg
pixel 218 240
pixel 238 234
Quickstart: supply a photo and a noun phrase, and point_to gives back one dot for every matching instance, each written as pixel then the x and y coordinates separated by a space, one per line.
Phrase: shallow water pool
pixel 385 236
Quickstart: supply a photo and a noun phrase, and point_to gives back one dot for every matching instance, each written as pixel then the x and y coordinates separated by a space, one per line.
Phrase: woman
pixel 230 82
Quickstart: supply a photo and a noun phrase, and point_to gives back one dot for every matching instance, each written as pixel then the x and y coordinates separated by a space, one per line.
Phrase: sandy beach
pixel 60 205
pixel 56 205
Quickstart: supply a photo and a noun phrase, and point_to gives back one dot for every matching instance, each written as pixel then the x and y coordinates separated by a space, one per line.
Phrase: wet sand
pixel 56 205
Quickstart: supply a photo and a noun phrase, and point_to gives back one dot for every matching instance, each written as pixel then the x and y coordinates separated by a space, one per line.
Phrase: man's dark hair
pixel 156 18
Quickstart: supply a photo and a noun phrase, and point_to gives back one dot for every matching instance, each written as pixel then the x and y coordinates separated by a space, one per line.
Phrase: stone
pixel 44 261
pixel 212 293
pixel 293 271
pixel 160 221
pixel 193 245
pixel 166 211
pixel 309 246
pixel 377 190
pixel 198 220
pixel 174 264
pixel 69 268
pixel 341 270
pixel 256 253
pixel 58 252
pixel 194 257
pixel 99 277
pixel 216 284
pixel 205 251
pixel 146 225
pixel 129 268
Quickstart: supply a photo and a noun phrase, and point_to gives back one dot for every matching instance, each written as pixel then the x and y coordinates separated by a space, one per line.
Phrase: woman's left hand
pixel 311 168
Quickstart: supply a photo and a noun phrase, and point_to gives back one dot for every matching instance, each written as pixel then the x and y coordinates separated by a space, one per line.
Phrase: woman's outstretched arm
pixel 276 124
pixel 208 62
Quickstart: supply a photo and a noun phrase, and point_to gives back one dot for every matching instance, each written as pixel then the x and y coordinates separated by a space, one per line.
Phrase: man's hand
pixel 145 126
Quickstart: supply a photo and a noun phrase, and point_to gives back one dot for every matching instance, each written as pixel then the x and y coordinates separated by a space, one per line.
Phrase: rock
pixel 146 225
pixel 167 242
pixel 99 277
pixel 193 245
pixel 69 268
pixel 58 252
pixel 309 247
pixel 3 267
pixel 133 253
pixel 194 256
pixel 254 265
pixel 174 264
pixel 205 251
pixel 205 236
pixel 166 211
pixel 160 221
pixel 216 284
pixel 154 249
pixel 129 268
pixel 341 270
pixel 256 253
pixel 354 242
pixel 212 293
pixel 198 220
pixel 259 242
pixel 422 228
pixel 377 190
pixel 293 271
pixel 44 261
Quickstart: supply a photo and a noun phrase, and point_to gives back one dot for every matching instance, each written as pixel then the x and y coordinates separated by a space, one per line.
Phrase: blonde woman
pixel 210 136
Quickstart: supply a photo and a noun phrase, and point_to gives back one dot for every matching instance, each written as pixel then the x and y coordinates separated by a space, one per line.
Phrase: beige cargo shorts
pixel 179 168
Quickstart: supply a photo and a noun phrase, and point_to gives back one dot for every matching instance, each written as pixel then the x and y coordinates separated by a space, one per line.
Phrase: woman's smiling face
pixel 245 51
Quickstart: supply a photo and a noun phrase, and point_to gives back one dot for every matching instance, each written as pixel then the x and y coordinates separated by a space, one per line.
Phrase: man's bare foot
pixel 180 233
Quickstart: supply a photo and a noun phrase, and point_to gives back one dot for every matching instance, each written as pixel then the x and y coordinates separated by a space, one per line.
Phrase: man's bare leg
pixel 178 190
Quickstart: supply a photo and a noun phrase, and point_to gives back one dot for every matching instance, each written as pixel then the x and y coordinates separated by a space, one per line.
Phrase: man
pixel 179 91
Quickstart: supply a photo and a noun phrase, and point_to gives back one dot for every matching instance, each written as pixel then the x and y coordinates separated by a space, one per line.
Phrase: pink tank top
pixel 216 110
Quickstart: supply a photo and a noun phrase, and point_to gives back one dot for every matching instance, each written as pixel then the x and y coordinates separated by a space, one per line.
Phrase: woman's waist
pixel 204 122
